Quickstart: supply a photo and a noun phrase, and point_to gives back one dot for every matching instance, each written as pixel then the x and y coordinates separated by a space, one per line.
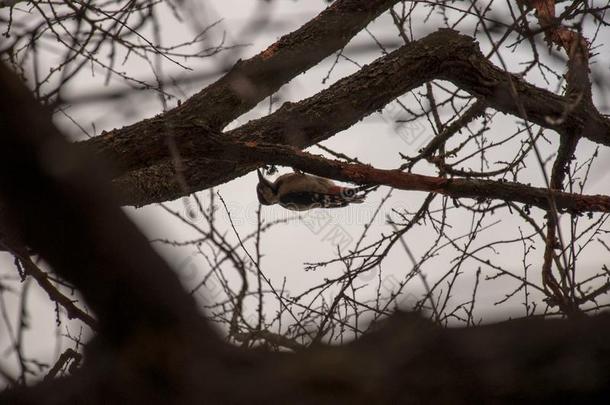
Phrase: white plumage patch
pixel 300 192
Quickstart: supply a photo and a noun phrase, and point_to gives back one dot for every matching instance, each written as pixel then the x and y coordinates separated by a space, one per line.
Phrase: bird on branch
pixel 300 192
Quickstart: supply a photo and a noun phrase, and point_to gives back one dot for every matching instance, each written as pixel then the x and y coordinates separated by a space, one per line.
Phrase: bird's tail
pixel 356 195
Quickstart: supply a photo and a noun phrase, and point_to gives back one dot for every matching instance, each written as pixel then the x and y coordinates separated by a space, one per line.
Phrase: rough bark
pixel 442 55
pixel 251 153
pixel 245 85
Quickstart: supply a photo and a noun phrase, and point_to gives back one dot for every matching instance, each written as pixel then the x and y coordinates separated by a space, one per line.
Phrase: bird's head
pixel 266 190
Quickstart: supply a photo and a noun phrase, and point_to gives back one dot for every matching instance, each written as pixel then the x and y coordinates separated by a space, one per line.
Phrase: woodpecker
pixel 300 192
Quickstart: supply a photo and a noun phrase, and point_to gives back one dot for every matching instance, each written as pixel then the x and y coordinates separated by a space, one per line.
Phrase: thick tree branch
pixel 572 42
pixel 452 187
pixel 65 215
pixel 245 85
pixel 442 55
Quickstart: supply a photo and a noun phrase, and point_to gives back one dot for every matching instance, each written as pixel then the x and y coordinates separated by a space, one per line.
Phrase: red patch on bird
pixel 335 190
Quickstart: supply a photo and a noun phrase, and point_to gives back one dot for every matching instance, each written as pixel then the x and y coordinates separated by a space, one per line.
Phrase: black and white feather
pixel 300 192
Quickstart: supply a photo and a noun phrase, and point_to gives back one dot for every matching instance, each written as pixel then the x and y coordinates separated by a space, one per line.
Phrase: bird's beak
pixel 260 175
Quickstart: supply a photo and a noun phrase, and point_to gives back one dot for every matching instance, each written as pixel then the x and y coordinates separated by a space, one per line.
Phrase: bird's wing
pixel 300 182
pixel 300 201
